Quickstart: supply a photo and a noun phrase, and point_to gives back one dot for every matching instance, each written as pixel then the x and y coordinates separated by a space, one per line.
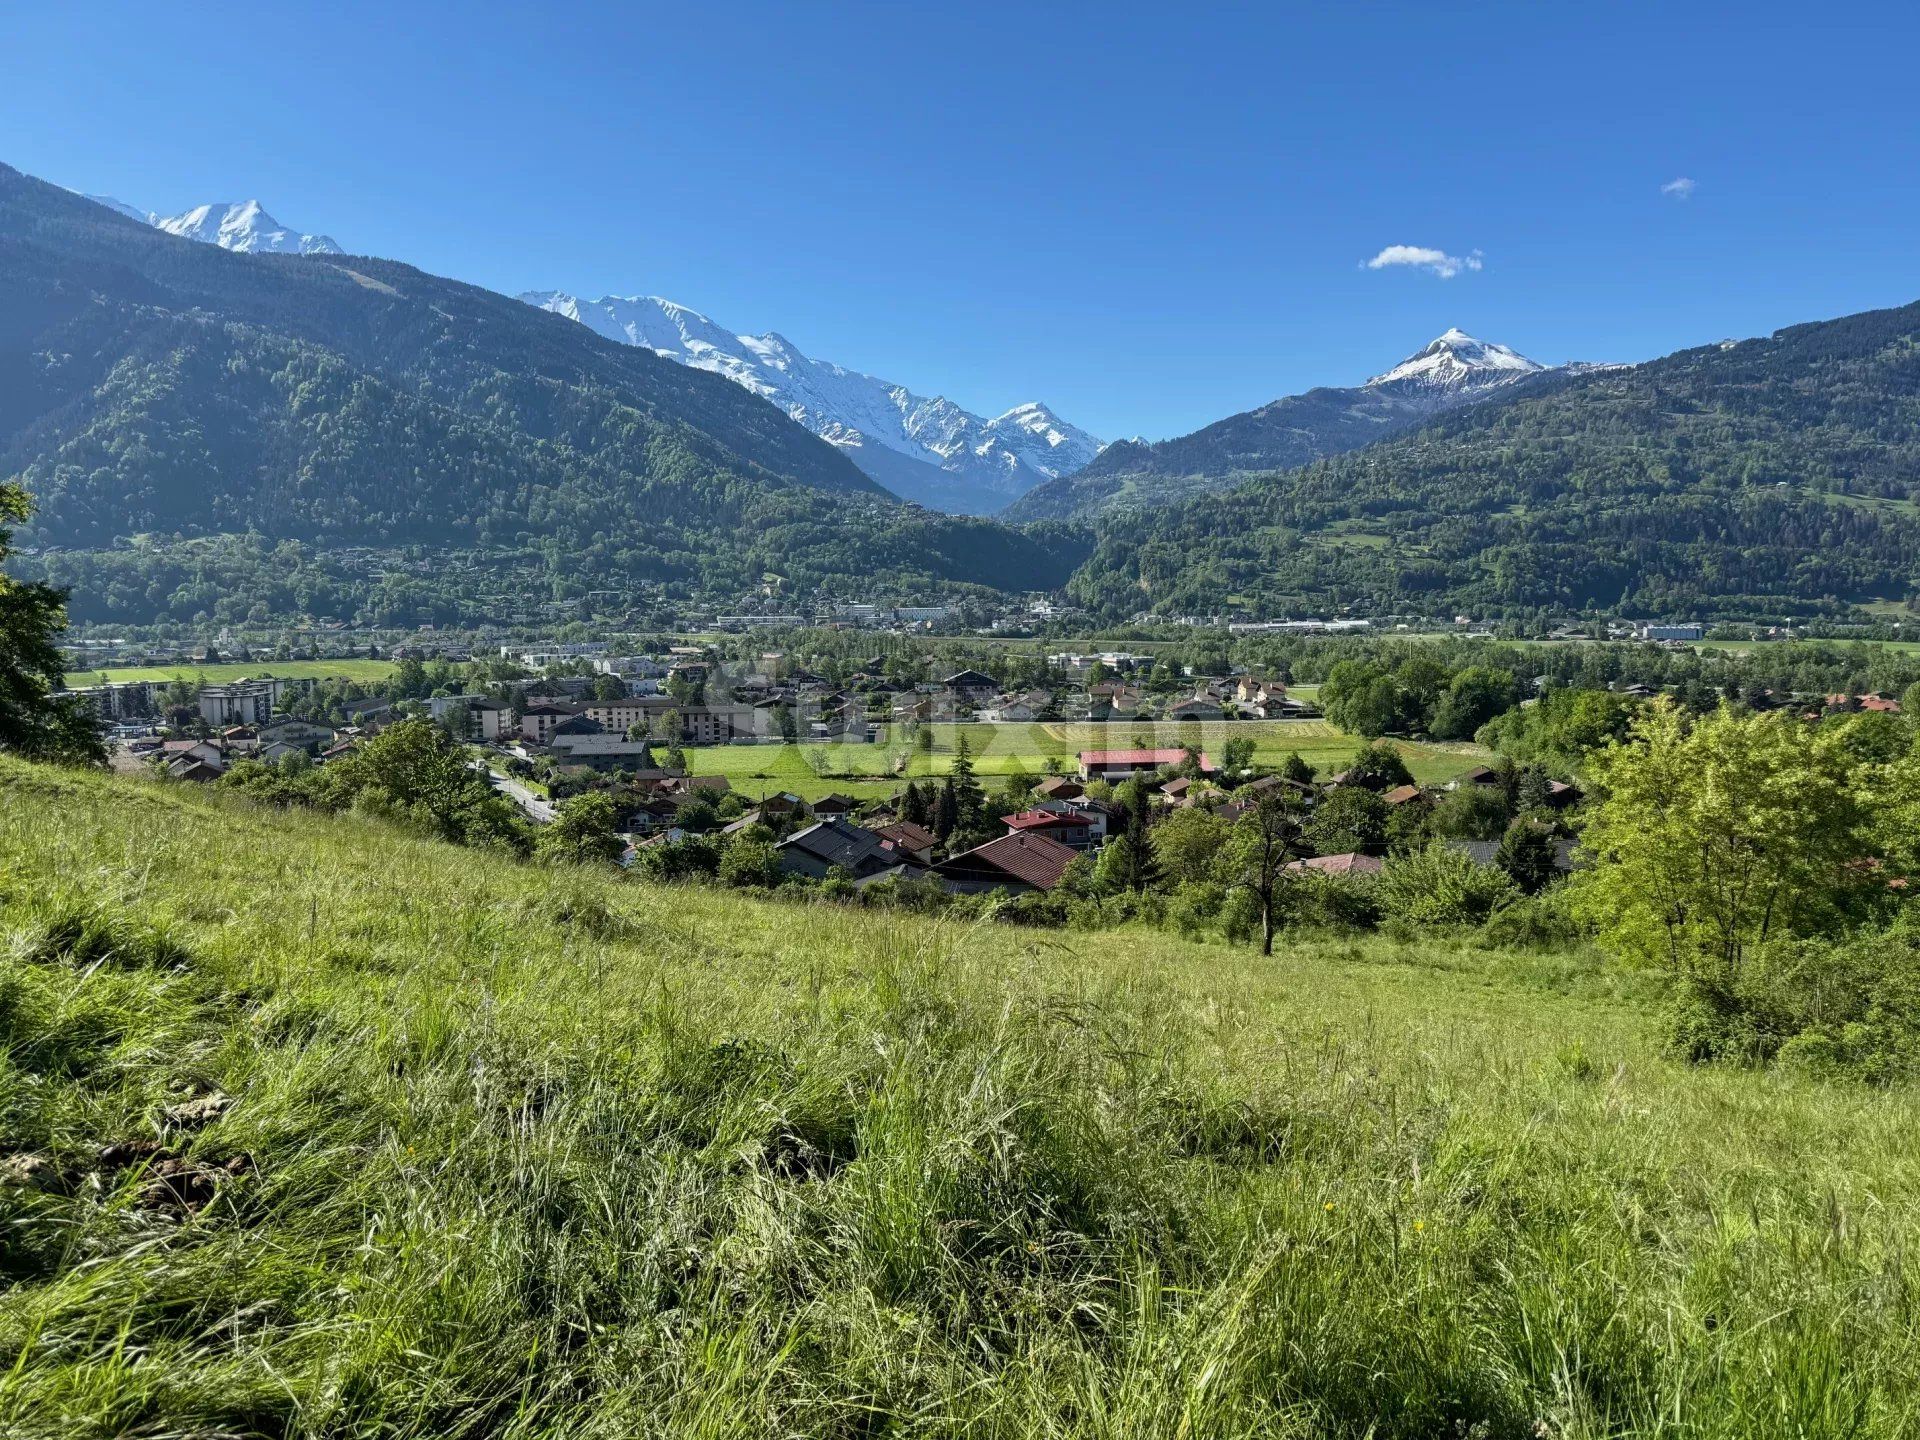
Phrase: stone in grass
pixel 199 1111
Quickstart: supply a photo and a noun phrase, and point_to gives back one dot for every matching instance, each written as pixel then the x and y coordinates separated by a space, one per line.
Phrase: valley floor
pixel 522 1152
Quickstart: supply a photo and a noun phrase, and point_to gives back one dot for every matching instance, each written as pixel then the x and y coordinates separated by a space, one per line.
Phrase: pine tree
pixel 970 800
pixel 946 810
pixel 914 806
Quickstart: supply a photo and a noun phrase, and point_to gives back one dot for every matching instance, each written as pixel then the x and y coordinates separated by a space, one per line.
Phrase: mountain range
pixel 153 387
pixel 158 396
pixel 1454 370
pixel 245 227
pixel 927 450
pixel 930 451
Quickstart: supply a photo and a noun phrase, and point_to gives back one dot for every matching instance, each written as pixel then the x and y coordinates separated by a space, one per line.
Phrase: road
pixel 537 809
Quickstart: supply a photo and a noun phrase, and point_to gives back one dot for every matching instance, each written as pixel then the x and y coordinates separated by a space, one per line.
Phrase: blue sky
pixel 1146 218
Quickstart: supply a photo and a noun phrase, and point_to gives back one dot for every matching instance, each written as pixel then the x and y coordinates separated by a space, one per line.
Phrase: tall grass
pixel 551 1154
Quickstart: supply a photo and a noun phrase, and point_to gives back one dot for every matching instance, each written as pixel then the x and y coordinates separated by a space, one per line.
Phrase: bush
pixel 1438 886
pixel 1844 1008
pixel 1535 922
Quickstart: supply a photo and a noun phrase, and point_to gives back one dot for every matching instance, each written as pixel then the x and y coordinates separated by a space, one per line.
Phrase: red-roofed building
pixel 1018 863
pixel 1125 764
pixel 1072 828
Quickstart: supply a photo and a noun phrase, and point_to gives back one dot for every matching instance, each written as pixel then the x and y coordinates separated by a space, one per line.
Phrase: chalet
pixel 1017 863
pixel 831 805
pixel 1059 787
pixel 1402 794
pixel 1071 828
pixel 915 841
pixel 830 845
pixel 1196 707
pixel 1125 764
pixel 1249 691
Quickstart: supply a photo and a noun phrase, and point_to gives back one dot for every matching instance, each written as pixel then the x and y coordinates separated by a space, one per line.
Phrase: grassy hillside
pixel 520 1153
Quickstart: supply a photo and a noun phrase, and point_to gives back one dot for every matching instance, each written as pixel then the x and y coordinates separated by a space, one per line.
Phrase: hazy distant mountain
pixel 927 450
pixel 245 227
pixel 1453 370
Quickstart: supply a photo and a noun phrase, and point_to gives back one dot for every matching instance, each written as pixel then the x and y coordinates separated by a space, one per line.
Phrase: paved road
pixel 537 810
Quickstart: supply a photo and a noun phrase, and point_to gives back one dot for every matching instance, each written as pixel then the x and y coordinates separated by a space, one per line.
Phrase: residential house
pixel 829 845
pixel 1196 707
pixel 1071 828
pixel 1017 863
pixel 833 805
pixel 915 841
pixel 1059 787
pixel 973 686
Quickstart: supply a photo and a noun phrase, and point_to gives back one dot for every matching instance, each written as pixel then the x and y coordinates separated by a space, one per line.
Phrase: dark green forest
pixel 1775 476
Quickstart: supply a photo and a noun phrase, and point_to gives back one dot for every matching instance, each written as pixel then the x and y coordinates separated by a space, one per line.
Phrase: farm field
pixel 362 670
pixel 1039 748
pixel 600 1158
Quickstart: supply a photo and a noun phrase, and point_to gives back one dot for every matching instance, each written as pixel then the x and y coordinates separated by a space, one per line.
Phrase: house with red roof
pixel 1072 828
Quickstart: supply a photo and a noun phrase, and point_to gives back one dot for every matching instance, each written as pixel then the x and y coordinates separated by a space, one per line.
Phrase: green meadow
pixel 362 670
pixel 312 1128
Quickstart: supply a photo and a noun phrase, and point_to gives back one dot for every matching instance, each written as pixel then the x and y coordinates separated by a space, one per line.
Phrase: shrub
pixel 1438 886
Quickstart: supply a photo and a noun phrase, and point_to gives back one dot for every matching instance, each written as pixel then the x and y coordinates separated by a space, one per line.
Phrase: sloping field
pixel 313 1129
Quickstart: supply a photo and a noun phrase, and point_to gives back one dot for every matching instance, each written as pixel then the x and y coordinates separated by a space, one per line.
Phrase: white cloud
pixel 1422 257
pixel 1680 188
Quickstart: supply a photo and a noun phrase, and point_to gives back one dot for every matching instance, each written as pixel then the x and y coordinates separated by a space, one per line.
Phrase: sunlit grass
pixel 552 1154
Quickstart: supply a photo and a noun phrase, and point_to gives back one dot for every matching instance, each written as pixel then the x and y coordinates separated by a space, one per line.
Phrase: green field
pixel 362 670
pixel 868 771
pixel 529 1153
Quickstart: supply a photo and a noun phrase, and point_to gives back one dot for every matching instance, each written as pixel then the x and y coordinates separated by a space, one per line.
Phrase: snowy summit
pixel 1457 361
pixel 927 450
pixel 246 227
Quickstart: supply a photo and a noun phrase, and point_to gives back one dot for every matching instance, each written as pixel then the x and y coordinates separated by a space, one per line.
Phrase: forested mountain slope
pixel 1453 370
pixel 1771 476
pixel 150 384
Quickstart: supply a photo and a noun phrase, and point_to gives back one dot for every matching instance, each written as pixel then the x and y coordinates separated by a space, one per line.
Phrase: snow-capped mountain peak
pixel 925 449
pixel 246 227
pixel 1456 360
